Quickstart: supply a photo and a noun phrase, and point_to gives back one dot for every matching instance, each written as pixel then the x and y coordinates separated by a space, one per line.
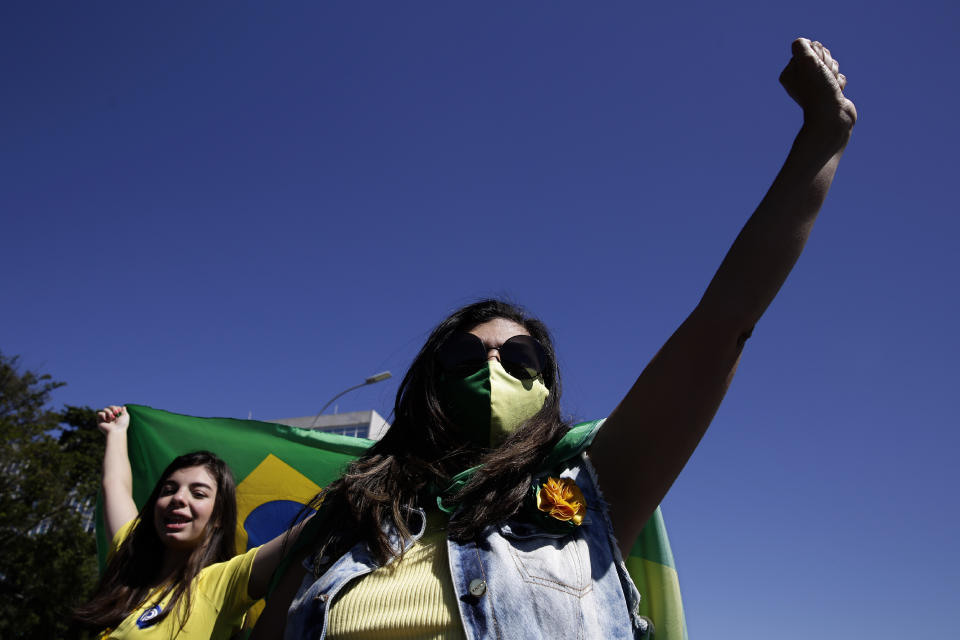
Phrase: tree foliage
pixel 49 471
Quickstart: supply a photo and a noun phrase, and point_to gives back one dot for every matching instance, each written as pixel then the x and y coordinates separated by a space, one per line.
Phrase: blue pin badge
pixel 149 616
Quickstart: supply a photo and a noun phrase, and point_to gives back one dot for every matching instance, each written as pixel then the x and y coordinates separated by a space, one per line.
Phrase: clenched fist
pixel 813 80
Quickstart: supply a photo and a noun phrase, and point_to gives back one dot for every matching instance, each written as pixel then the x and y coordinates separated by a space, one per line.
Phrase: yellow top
pixel 410 598
pixel 218 604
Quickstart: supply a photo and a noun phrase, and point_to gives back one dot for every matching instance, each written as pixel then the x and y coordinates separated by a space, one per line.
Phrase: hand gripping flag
pixel 278 469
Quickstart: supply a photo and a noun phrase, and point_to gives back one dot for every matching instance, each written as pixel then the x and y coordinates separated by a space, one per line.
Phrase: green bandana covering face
pixel 490 404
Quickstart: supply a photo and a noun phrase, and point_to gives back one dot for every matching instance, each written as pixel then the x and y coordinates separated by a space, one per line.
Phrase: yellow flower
pixel 562 499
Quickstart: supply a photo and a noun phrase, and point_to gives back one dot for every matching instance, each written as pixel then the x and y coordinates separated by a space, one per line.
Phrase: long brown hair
pixel 423 449
pixel 131 573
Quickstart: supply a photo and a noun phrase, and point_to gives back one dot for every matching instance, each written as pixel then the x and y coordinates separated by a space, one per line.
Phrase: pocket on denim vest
pixel 551 560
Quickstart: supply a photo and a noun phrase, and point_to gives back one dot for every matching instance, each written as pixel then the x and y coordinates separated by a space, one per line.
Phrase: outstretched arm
pixel 666 412
pixel 269 557
pixel 117 481
pixel 273 618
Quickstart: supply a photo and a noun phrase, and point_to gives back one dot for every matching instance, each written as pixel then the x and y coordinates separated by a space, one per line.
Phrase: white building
pixel 360 424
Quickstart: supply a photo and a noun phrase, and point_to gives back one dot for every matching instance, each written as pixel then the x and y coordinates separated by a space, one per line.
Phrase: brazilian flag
pixel 279 468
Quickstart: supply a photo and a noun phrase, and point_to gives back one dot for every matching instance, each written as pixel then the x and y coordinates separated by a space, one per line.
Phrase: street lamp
pixel 377 377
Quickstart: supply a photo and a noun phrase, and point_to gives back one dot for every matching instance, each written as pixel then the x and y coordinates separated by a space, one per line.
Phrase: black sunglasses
pixel 463 353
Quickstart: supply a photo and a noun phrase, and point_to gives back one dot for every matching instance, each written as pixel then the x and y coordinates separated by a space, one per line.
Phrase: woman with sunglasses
pixel 478 513
pixel 172 570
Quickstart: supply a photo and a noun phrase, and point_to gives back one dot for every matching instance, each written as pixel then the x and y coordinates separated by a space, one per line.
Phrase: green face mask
pixel 490 404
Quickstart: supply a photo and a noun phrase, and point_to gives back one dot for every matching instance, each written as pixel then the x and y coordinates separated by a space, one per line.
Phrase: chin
pixel 180 544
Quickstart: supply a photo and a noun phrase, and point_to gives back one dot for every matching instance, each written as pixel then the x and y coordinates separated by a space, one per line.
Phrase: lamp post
pixel 375 378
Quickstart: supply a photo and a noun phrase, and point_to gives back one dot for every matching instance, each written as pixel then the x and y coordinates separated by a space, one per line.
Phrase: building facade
pixel 359 424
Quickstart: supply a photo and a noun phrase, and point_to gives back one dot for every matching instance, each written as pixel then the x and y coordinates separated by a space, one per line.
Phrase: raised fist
pixel 113 418
pixel 813 80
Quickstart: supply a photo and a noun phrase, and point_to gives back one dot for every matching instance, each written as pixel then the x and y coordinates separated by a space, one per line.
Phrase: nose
pixel 178 497
pixel 493 353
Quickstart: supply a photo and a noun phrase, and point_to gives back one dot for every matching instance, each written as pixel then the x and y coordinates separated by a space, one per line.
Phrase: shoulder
pixel 574 442
pixel 237 566
pixel 122 534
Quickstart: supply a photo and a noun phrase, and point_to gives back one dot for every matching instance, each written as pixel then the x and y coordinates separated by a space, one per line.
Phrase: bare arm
pixel 273 618
pixel 117 481
pixel 269 557
pixel 668 409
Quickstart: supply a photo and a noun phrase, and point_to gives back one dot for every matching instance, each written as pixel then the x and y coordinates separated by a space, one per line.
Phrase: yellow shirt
pixel 218 603
pixel 412 598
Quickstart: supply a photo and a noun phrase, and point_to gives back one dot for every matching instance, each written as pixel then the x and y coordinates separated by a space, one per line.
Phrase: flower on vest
pixel 562 499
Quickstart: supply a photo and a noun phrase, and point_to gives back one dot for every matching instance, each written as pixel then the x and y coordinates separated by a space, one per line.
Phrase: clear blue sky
pixel 235 209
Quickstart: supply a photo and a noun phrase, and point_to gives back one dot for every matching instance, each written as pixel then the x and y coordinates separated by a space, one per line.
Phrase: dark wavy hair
pixel 133 569
pixel 424 448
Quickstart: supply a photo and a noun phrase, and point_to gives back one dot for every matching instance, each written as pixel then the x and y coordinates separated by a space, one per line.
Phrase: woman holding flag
pixel 478 514
pixel 172 570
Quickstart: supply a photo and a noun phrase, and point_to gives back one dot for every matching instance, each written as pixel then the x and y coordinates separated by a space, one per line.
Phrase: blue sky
pixel 230 209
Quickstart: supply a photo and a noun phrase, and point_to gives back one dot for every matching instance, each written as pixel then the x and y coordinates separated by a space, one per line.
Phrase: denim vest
pixel 517 581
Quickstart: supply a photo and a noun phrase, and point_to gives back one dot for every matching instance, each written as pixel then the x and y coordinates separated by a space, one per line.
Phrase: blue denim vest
pixel 518 581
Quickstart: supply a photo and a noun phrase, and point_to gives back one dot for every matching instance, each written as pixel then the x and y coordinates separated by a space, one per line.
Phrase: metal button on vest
pixel 477 587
